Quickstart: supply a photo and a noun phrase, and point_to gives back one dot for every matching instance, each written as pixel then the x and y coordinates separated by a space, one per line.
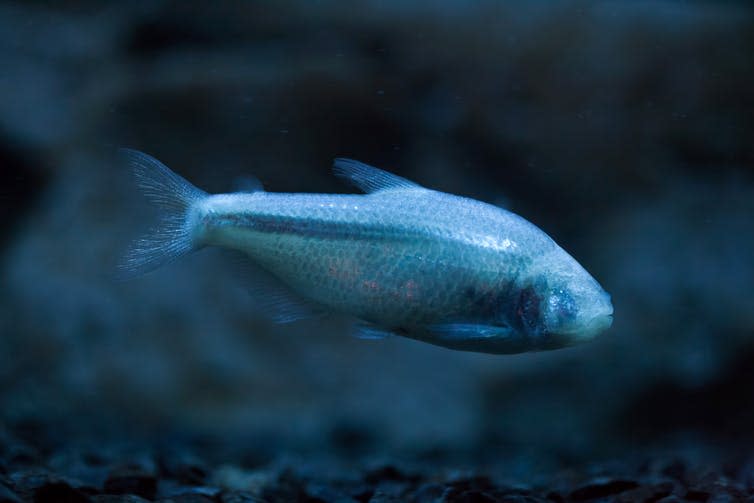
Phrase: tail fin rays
pixel 171 238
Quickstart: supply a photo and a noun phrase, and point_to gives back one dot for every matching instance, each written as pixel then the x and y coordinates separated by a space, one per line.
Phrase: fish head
pixel 562 305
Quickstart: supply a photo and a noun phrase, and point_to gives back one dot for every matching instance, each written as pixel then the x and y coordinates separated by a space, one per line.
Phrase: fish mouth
pixel 598 324
pixel 590 328
pixel 601 320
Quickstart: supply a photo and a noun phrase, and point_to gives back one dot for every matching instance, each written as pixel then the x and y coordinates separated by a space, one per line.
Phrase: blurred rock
pixel 45 487
pixel 8 496
pixel 122 498
pixel 427 493
pixel 85 466
pixel 169 489
pixel 184 467
pixel 188 498
pixel 239 497
pixel 131 479
pixel 648 492
pixel 234 478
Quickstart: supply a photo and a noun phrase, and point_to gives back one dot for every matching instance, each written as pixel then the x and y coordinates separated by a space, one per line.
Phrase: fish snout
pixel 599 318
pixel 579 317
pixel 595 316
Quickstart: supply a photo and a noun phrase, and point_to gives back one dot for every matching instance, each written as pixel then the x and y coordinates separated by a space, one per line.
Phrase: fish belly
pixel 396 283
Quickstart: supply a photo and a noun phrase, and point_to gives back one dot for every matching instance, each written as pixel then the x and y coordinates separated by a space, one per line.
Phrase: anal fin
pixel 284 307
pixel 272 297
pixel 369 331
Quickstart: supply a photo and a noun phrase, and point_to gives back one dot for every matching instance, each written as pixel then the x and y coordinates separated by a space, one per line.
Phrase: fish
pixel 400 258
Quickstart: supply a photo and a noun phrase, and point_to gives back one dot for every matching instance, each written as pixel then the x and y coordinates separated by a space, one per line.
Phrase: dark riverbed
pixel 45 465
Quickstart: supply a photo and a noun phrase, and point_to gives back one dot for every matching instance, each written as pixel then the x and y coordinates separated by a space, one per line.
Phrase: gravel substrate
pixel 39 465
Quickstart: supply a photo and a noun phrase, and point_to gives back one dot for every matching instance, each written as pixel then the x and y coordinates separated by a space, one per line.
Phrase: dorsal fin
pixel 368 178
pixel 248 183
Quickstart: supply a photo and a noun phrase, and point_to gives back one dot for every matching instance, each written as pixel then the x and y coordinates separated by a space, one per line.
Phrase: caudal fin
pixel 171 237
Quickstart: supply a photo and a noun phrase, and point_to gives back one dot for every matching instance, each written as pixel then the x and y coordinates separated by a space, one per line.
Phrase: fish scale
pixel 384 241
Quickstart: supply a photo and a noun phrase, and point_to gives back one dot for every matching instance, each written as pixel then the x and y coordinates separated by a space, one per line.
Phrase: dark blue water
pixel 623 129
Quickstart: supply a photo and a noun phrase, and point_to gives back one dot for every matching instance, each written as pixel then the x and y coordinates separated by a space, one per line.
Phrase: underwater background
pixel 624 129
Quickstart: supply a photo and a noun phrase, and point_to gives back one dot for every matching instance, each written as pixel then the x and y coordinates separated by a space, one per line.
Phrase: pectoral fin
pixel 468 332
pixel 494 339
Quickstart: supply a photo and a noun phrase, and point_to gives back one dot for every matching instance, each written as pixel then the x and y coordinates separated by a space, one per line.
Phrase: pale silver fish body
pixel 406 260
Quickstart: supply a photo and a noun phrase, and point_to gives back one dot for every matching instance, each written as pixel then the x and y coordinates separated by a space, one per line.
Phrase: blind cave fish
pixel 402 259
